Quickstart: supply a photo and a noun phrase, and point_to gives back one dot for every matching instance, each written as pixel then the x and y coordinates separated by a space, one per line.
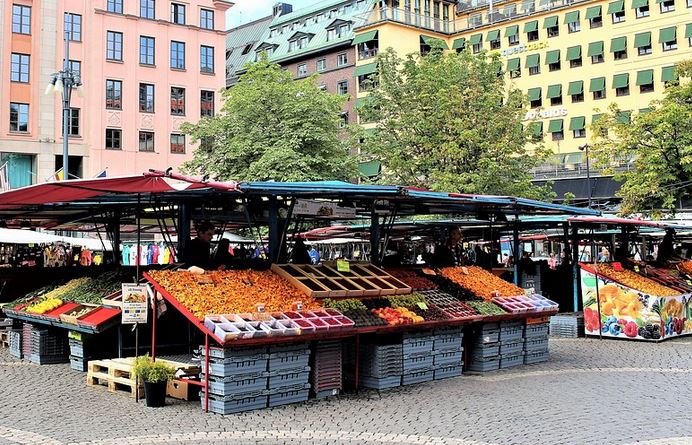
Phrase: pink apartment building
pixel 146 66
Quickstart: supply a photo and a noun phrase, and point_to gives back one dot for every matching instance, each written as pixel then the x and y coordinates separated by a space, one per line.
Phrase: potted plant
pixel 155 376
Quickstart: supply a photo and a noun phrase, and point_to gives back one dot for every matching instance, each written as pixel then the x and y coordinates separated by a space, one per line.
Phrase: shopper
pixel 449 253
pixel 198 251
pixel 552 262
pixel 222 256
pixel 299 254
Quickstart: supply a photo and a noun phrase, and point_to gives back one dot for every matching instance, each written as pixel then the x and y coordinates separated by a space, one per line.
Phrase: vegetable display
pixel 481 282
pixel 407 300
pixel 45 305
pixel 486 307
pixel 411 278
pixel 635 281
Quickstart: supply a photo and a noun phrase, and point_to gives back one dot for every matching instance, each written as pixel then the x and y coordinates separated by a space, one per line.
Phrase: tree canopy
pixel 272 127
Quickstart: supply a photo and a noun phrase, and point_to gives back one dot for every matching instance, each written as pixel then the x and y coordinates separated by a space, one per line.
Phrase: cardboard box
pixel 181 389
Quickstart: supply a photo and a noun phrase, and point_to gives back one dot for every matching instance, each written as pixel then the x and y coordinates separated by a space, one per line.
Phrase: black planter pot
pixel 155 393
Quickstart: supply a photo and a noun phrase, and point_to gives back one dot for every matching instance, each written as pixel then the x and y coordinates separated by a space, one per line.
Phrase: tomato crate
pixel 15 339
pixel 291 377
pixel 380 383
pixel 447 372
pixel 486 337
pixel 79 363
pixel 237 384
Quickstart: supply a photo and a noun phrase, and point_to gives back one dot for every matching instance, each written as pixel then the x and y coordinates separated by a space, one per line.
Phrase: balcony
pixel 563 171
pixel 367 53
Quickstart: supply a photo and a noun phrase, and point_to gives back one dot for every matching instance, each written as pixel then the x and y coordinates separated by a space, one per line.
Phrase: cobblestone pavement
pixel 591 391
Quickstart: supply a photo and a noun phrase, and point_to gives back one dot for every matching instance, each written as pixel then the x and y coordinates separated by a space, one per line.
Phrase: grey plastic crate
pixel 487 337
pixel 381 372
pixel 289 360
pixel 449 330
pixel 536 330
pixel 422 360
pixel 237 386
pixel 379 382
pixel 511 333
pixel 323 394
pixel 486 351
pixel 15 338
pixel 536 357
pixel 293 394
pixel 232 367
pixel 423 375
pixel 233 353
pixel 232 405
pixel 509 361
pixel 288 377
pixel 489 327
pixel 288 347
pixel 447 342
pixel 536 344
pixel 78 363
pixel 419 344
pixel 417 335
pixel 447 372
pixel 510 347
pixel 484 365
pixel 48 359
pixel 448 358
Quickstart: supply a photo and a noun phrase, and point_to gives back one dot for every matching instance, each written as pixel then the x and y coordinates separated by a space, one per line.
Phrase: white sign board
pixel 322 208
pixel 135 307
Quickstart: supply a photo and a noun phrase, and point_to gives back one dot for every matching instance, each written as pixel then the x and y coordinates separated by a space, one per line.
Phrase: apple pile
pixel 397 316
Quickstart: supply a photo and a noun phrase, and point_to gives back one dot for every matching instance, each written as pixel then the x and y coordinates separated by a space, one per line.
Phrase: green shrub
pixel 147 370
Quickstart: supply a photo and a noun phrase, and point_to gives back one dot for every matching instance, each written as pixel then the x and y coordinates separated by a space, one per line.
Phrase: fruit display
pixel 364 318
pixel 685 267
pixel 348 304
pixel 481 282
pixel 618 302
pixel 486 307
pixel 515 304
pixel 45 305
pixel 407 300
pixel 398 316
pixel 449 305
pixel 432 313
pixel 231 291
pixel 93 289
pixel 635 281
pixel 412 279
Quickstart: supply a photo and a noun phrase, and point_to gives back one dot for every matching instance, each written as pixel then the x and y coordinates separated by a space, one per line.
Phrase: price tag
pixel 464 270
pixel 617 267
pixel 260 308
pixel 428 271
pixel 423 306
pixel 495 293
pixel 343 266
pixel 298 306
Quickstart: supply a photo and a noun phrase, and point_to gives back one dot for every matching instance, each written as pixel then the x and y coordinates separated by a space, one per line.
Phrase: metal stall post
pixel 374 235
pixel 575 266
pixel 183 229
pixel 515 246
pixel 274 238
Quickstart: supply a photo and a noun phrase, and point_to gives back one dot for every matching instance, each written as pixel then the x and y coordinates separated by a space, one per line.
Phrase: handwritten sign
pixel 135 307
pixel 343 266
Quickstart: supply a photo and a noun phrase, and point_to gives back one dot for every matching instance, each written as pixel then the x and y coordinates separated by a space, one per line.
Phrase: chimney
pixel 282 9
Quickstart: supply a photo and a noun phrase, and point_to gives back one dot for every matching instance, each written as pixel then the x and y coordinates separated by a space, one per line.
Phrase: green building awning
pixel 576 87
pixel 550 22
pixel 459 43
pixel 534 94
pixel 668 74
pixel 513 64
pixel 434 42
pixel 571 17
pixel 370 169
pixel 618 44
pixel 577 123
pixel 536 128
pixel 597 84
pixel 554 91
pixel 639 3
pixel 644 110
pixel 533 60
pixel 624 117
pixel 555 126
pixel 531 26
pixel 645 77
pixel 365 37
pixel 493 35
pixel 617 6
pixel 593 12
pixel 642 39
pixel 621 80
pixel 552 56
pixel 512 31
pixel 476 39
pixel 364 70
pixel 667 35
pixel 574 52
pixel 596 117
pixel 595 49
pixel 688 30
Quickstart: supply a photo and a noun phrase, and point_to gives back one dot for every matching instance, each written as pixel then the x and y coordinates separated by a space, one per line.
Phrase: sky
pixel 248 10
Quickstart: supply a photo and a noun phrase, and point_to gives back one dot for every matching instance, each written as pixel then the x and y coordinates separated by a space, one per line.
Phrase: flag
pixel 59 175
pixel 101 175
pixel 4 177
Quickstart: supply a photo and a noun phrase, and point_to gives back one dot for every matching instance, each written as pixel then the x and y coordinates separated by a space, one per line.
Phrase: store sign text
pixel 523 48
pixel 543 114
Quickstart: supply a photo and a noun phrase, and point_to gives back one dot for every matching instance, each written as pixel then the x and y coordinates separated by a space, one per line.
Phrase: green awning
pixel 536 128
pixel 363 70
pixel 593 12
pixel 688 30
pixel 645 77
pixel 621 80
pixel 550 22
pixel 533 60
pixel 552 56
pixel 639 3
pixel 365 37
pixel 660 1
pixel 554 91
pixel 618 44
pixel 597 84
pixel 624 117
pixel 476 39
pixel 434 42
pixel 574 52
pixel 595 49
pixel 596 117
pixel 667 35
pixel 534 94
pixel 511 31
pixel 577 123
pixel 513 64
pixel 642 39
pixel 576 87
pixel 644 110
pixel 370 169
pixel 459 43
pixel 493 35
pixel 574 158
pixel 668 74
pixel 555 126
pixel 531 26
pixel 571 17
pixel 617 6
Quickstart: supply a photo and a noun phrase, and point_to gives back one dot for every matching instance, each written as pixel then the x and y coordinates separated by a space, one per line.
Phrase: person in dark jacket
pixel 198 251
pixel 299 254
pixel 222 256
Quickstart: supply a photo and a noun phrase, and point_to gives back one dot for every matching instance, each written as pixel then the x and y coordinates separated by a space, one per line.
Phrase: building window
pixel 646 88
pixel 206 104
pixel 495 44
pixel 178 13
pixel 618 16
pixel 597 58
pixel 147 9
pixel 536 103
pixel 620 54
pixel 532 36
pixel 114 139
pixel 670 46
pixel 114 94
pixel 206 59
pixel 21 19
pixel 645 50
pixel 553 31
pixel 343 119
pixel 342 87
pixel 73 122
pixel 578 97
pixel 302 70
pixel 321 65
pixel 477 47
pixel 177 143
pixel 177 101
pixel 599 94
pixel 573 27
pixel 19 68
pixel 73 26
pixel 206 19
pixel 642 11
pixel 622 91
pixel 513 40
pixel 114 47
pixel 146 141
pixel 577 134
pixel 19 117
pixel 146 98
pixel 558 135
pixel 177 55
pixel 115 6
pixel 575 63
pixel 76 67
pixel 534 70
pixel 596 22
pixel 667 6
pixel 555 66
pixel 342 59
pixel 515 74
pixel 554 101
pixel 146 50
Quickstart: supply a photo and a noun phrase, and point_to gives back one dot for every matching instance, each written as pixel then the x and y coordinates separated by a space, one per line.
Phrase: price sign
pixel 343 266
pixel 464 270
pixel 135 307
pixel 298 306
pixel 260 308
pixel 423 306
pixel 636 268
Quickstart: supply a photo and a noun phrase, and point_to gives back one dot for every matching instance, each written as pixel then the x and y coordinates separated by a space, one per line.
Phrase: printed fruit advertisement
pixel 632 314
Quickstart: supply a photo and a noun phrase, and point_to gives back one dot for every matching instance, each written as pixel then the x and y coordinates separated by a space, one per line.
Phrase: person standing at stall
pixel 449 253
pixel 198 250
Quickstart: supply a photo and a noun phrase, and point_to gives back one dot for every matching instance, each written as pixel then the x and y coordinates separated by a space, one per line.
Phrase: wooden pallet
pixel 5 339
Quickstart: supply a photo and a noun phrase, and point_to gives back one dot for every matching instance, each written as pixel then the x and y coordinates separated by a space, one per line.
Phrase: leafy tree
pixel 272 127
pixel 449 122
pixel 659 143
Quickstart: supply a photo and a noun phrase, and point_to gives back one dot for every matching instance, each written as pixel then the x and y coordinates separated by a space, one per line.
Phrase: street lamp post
pixel 585 148
pixel 63 82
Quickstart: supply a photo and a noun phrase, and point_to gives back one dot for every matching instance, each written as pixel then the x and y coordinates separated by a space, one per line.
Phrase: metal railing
pixel 562 171
pixel 367 54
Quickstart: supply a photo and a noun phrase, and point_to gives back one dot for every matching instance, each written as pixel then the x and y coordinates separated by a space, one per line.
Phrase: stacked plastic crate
pixel 485 348
pixel 418 358
pixel 381 364
pixel 569 325
pixel 15 337
pixel 289 374
pixel 536 343
pixel 81 351
pixel 448 352
pixel 511 343
pixel 326 368
pixel 47 346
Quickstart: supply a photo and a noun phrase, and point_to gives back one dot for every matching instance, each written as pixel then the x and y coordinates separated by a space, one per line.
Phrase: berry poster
pixel 630 313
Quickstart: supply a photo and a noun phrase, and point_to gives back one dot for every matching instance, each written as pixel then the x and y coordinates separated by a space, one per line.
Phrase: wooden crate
pixel 5 339
pixel 69 316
